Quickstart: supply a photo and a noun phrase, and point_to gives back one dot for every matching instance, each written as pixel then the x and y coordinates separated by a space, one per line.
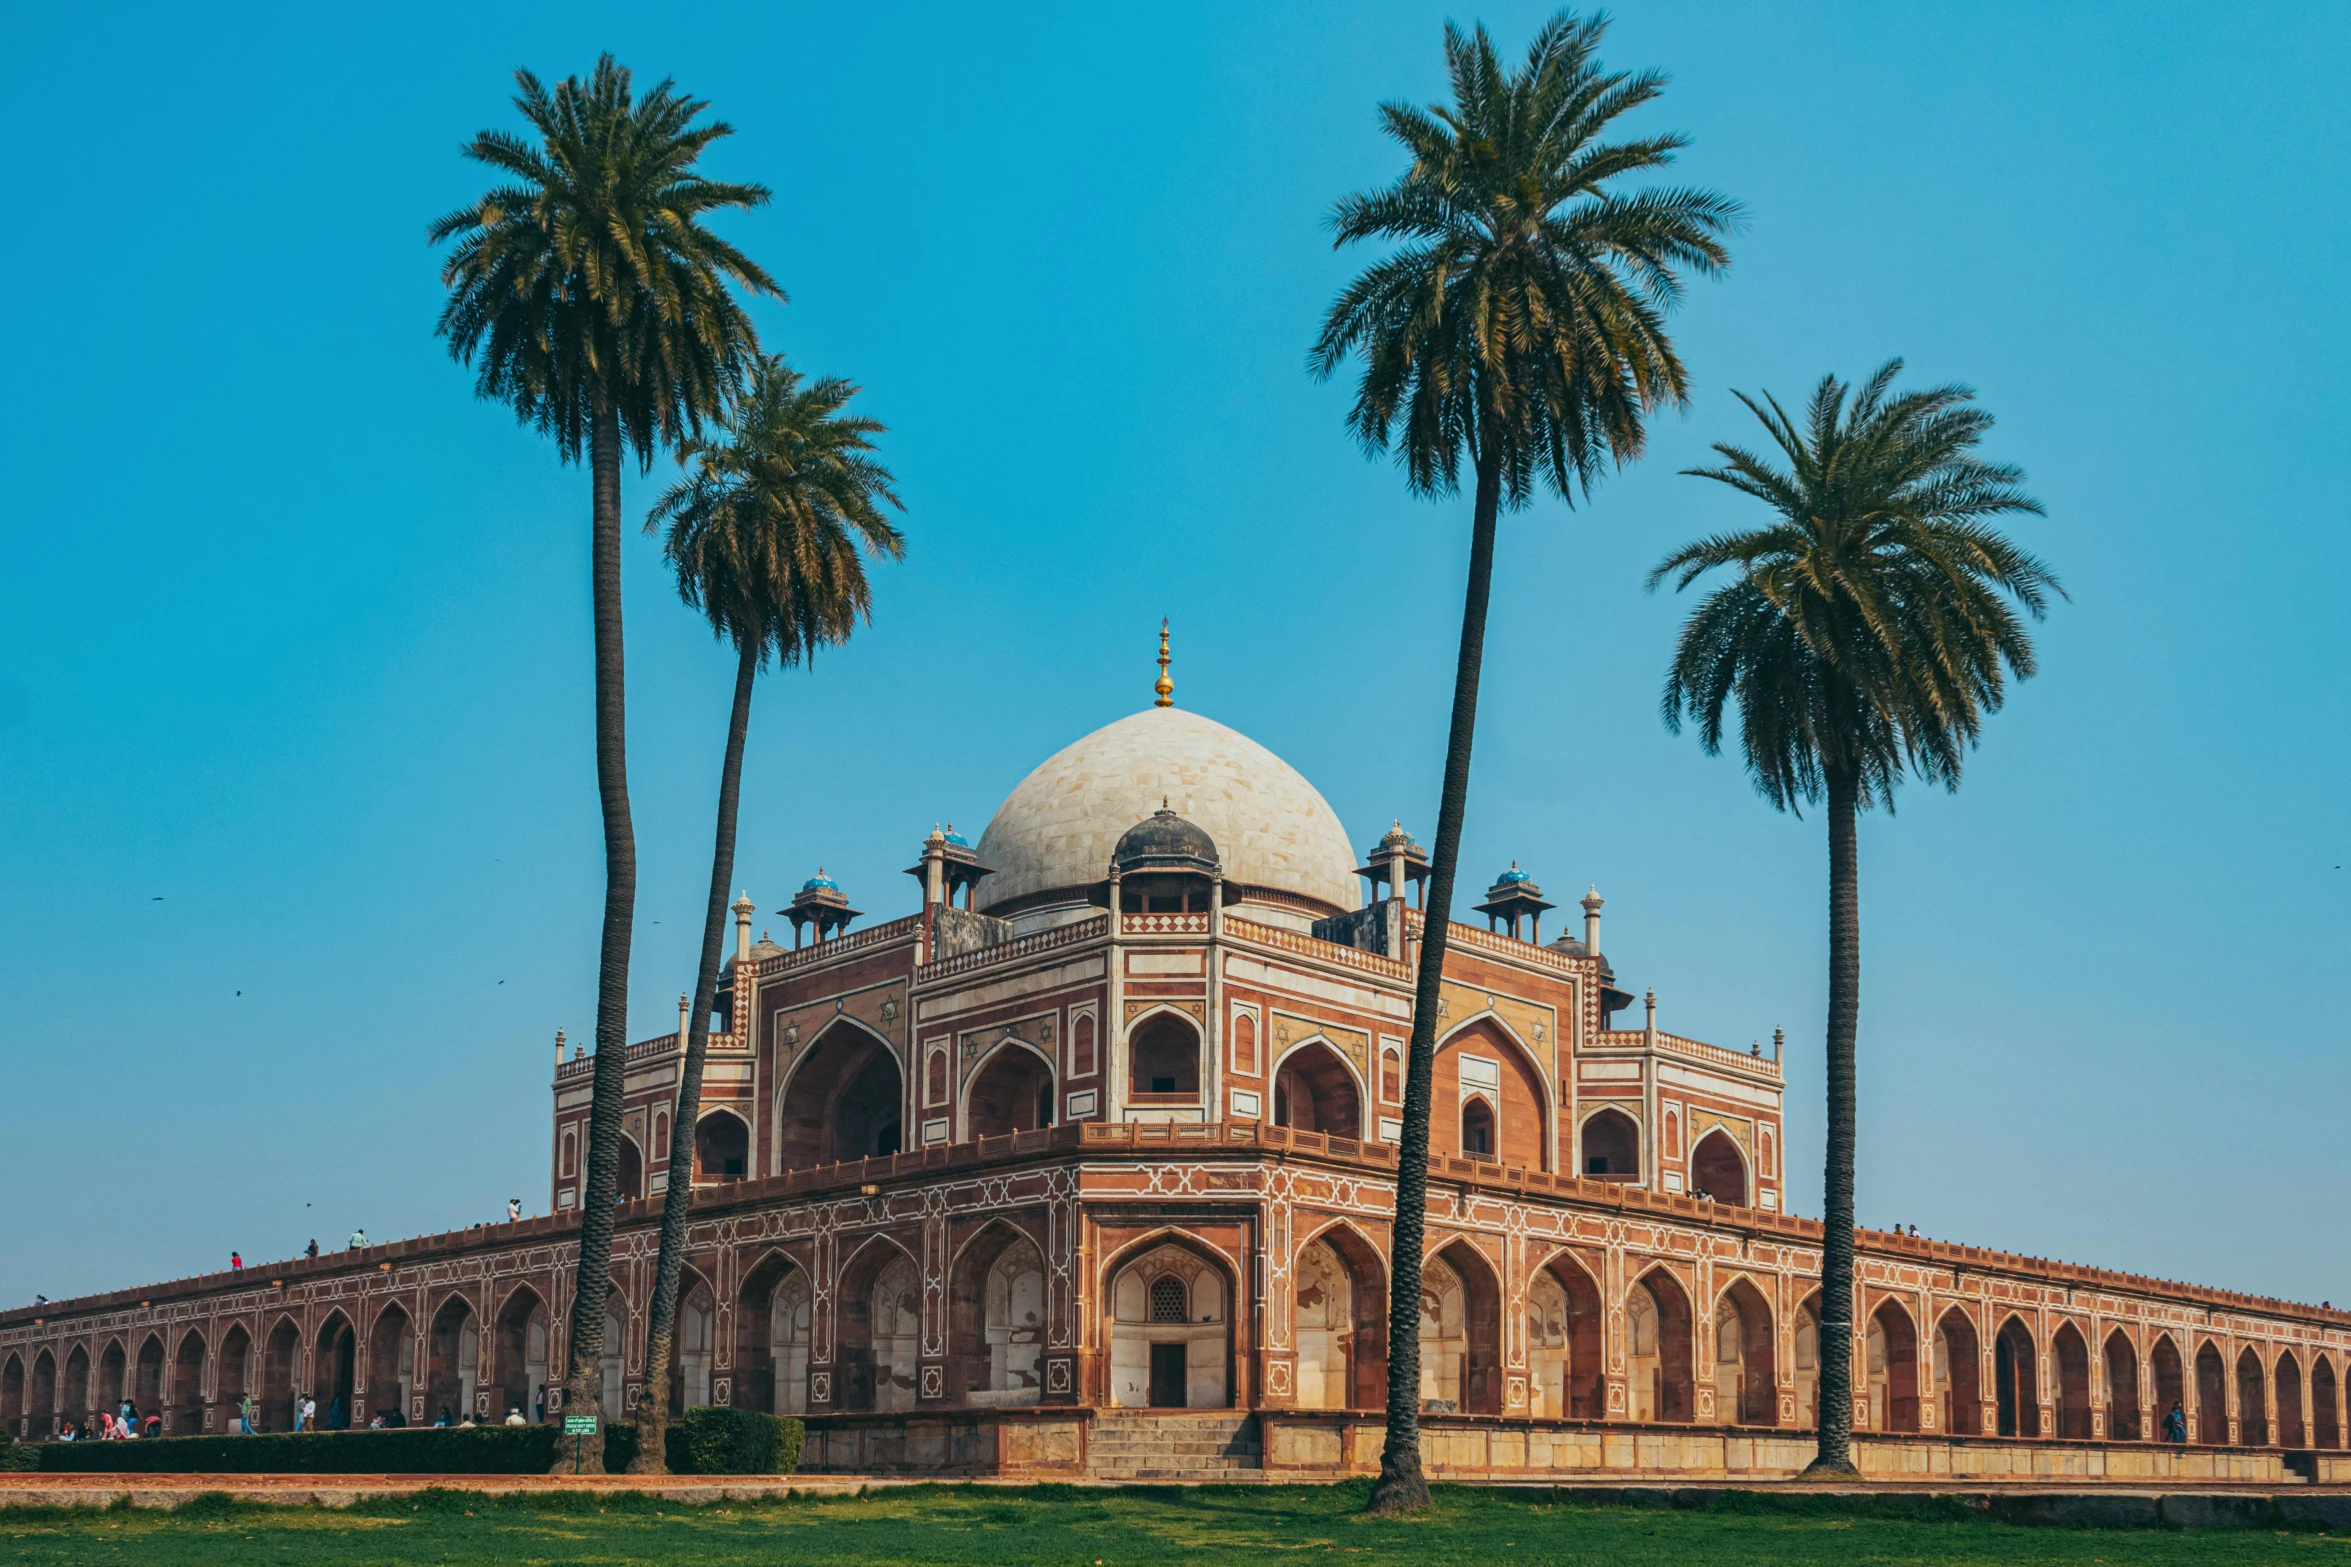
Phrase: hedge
pixel 706 1441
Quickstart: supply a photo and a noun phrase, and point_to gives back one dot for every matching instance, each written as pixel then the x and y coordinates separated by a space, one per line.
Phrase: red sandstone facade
pixel 972 1186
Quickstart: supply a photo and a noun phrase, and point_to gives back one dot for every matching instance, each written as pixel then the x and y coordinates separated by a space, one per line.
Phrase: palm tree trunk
pixel 653 1407
pixel 583 1381
pixel 1402 1488
pixel 1835 1459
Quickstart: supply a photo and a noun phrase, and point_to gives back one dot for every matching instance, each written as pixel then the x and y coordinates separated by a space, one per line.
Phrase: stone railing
pixel 1509 947
pixel 856 941
pixel 1693 1049
pixel 643 1049
pixel 1314 947
pixel 1163 924
pixel 1018 947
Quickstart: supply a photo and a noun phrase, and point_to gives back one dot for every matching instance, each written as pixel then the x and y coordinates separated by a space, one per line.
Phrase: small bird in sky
pixel 158 898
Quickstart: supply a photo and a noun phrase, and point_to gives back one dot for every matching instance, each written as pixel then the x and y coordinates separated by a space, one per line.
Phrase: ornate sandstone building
pixel 1086 1167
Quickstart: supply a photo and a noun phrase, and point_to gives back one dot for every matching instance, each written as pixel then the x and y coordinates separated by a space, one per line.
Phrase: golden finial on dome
pixel 1164 687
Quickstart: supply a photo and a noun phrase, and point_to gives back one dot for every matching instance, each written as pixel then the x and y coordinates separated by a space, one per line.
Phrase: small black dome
pixel 1164 842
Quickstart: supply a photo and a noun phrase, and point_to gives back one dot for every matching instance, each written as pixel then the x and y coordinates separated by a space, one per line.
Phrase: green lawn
pixel 1079 1528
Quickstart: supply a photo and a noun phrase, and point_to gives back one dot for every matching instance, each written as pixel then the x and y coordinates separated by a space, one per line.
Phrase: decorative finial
pixel 1163 688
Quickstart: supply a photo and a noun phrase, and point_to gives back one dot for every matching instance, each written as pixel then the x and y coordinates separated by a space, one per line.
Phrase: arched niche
pixel 1340 1295
pixel 1314 1090
pixel 520 1358
pixel 996 1302
pixel 1011 1092
pixel 2171 1379
pixel 1804 1337
pixel 1746 1374
pixel 336 1373
pixel 2122 1389
pixel 2288 1377
pixel 1481 1059
pixel 693 1343
pixel 279 1353
pixel 453 1350
pixel 391 1365
pixel 1609 1147
pixel 773 1322
pixel 1170 1305
pixel 2252 1401
pixel 629 1184
pixel 1460 1332
pixel 147 1377
pixel 74 1395
pixel 1959 1396
pixel 112 1372
pixel 2069 1354
pixel 722 1147
pixel 1658 1329
pixel 612 1356
pixel 880 1333
pixel 1718 1170
pixel 41 1396
pixel 1892 1345
pixel 1163 1056
pixel 187 1385
pixel 2326 1406
pixel 1566 1379
pixel 2016 1380
pixel 843 1099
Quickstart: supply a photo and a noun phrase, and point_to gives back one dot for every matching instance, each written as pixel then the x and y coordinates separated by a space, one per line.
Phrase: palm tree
pixel 1865 637
pixel 592 300
pixel 1520 320
pixel 767 535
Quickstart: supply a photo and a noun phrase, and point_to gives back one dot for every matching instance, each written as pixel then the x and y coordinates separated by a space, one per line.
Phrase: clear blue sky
pixel 293 631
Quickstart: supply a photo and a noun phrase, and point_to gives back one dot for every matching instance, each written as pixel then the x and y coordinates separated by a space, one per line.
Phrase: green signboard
pixel 579 1425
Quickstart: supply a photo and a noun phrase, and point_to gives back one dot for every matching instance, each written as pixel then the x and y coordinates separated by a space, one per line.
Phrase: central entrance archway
pixel 844 1101
pixel 1171 1343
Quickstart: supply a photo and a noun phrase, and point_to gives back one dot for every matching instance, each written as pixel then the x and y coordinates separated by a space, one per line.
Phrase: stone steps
pixel 1136 1446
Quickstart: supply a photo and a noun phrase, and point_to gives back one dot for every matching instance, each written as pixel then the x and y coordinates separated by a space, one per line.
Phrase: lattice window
pixel 1168 1300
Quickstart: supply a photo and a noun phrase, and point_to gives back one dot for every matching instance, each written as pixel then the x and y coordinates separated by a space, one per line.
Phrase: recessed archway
pixel 1611 1147
pixel 1958 1380
pixel 2212 1396
pixel 336 1373
pixel 1170 1326
pixel 391 1365
pixel 844 1100
pixel 74 1396
pixel 1566 1377
pixel 2171 1382
pixel 1482 1061
pixel 519 1362
pixel 1893 1369
pixel 1807 1358
pixel 187 1385
pixel 1011 1092
pixel 772 1327
pixel 2122 1389
pixel 452 1361
pixel 880 1333
pixel 722 1148
pixel 693 1344
pixel 1340 1292
pixel 111 1371
pixel 2326 1409
pixel 1718 1170
pixel 1746 1378
pixel 1460 1332
pixel 41 1397
pixel 279 1352
pixel 2071 1400
pixel 629 1185
pixel 2252 1401
pixel 147 1378
pixel 2016 1379
pixel 12 1397
pixel 1314 1090
pixel 1163 1051
pixel 2288 1378
pixel 1658 1327
pixel 996 1318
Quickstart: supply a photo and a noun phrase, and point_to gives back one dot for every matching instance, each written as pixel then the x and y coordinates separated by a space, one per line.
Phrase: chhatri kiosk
pixel 1085 1167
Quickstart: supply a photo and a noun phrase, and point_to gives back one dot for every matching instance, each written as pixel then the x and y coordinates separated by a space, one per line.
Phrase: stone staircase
pixel 1136 1444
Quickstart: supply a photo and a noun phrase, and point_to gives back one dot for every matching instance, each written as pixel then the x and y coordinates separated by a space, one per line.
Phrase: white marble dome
pixel 1272 829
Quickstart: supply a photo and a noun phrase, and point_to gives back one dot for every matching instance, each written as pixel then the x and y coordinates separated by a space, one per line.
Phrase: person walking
pixel 245 1416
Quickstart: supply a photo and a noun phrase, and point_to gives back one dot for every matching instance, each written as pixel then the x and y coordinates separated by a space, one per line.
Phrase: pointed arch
pixel 878 1312
pixel 1567 1374
pixel 2171 1380
pixel 1317 1089
pixel 2326 1407
pixel 2069 1365
pixel 1344 1336
pixel 1804 1352
pixel 2016 1378
pixel 774 1319
pixel 1892 1340
pixel 147 1387
pixel 1170 1358
pixel 2252 1399
pixel 1745 1369
pixel 1010 1089
pixel 41 1395
pixel 2122 1389
pixel 842 1098
pixel 1659 1329
pixel 1608 1145
pixel 2291 1430
pixel 996 1310
pixel 1959 1397
pixel 187 1384
pixel 722 1146
pixel 453 1347
pixel 1718 1170
pixel 1526 1113
pixel 630 1186
pixel 12 1378
pixel 518 1358
pixel 391 1364
pixel 74 1396
pixel 2212 1396
pixel 1163 1046
pixel 281 1355
pixel 113 1374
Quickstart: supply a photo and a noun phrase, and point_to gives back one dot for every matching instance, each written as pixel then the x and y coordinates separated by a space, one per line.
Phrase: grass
pixel 1073 1527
